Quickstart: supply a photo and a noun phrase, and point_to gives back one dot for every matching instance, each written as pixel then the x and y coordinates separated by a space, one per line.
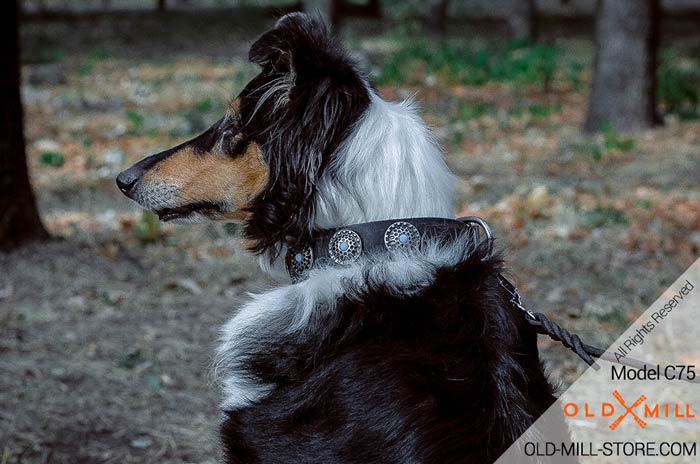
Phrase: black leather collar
pixel 344 245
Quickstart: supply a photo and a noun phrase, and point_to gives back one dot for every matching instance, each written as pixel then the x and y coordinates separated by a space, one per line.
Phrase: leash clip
pixel 515 298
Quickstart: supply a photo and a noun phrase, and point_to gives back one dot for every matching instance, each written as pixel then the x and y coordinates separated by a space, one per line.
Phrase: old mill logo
pixel 638 410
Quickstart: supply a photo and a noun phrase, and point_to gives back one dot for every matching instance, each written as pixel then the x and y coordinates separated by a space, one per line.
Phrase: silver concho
pixel 401 235
pixel 345 246
pixel 299 261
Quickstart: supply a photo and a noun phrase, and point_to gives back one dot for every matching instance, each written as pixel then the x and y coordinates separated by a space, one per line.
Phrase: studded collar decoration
pixel 345 245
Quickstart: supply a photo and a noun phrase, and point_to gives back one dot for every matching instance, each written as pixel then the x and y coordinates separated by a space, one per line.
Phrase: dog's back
pixel 441 372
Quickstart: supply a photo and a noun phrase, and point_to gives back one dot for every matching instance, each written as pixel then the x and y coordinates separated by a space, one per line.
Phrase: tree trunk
pixel 623 87
pixel 19 218
pixel 161 5
pixel 375 9
pixel 437 17
pixel 522 20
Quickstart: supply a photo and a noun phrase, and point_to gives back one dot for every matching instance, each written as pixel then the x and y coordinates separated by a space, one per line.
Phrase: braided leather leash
pixel 542 325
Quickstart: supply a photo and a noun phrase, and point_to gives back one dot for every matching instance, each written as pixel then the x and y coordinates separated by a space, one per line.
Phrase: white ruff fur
pixel 389 167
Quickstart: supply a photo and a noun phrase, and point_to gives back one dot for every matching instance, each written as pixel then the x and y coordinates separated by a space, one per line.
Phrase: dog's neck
pixel 389 166
pixel 377 240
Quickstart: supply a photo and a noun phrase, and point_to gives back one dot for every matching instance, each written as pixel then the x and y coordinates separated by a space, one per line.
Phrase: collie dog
pixel 389 338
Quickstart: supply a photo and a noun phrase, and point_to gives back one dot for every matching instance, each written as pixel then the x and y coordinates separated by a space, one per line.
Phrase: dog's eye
pixel 231 142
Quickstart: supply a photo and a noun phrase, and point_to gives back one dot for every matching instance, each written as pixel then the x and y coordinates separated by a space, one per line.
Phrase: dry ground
pixel 106 334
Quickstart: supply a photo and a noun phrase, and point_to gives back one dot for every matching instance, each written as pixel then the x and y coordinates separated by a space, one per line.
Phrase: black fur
pixel 450 374
pixel 446 373
pixel 326 95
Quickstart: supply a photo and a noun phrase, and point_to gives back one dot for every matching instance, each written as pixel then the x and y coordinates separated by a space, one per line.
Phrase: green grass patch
pixel 615 318
pixel 203 114
pixel 54 159
pixel 50 55
pixel 96 55
pixel 473 110
pixel 602 216
pixel 678 85
pixel 572 73
pixel 454 62
pixel 204 106
pixel 543 110
pixel 136 122
pixel 467 111
pixel 612 140
pixel 147 228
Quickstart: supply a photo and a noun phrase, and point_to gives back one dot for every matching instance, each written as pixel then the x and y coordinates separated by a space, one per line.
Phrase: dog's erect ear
pixel 299 43
pixel 293 35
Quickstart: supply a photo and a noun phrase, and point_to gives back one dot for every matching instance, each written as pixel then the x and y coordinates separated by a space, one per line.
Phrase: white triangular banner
pixel 618 414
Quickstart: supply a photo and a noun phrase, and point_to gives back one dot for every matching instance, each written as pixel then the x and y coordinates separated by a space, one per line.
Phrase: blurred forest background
pixel 574 127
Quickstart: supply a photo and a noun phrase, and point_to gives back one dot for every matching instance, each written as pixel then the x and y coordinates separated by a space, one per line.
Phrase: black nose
pixel 127 179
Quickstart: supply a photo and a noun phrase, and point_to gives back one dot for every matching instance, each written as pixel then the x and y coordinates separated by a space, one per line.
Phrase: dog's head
pixel 262 161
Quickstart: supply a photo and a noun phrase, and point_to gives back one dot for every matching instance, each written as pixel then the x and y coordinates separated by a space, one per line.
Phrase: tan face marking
pixel 233 108
pixel 214 177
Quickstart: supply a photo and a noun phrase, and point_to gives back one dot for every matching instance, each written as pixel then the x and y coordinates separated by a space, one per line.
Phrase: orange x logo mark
pixel 628 410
